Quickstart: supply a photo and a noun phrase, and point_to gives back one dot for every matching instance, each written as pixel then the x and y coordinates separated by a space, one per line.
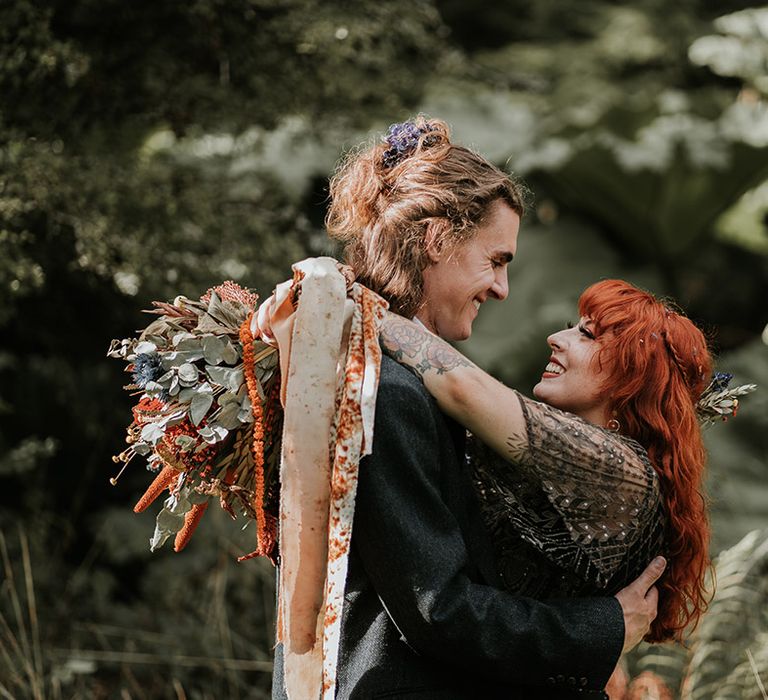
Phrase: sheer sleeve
pixel 586 498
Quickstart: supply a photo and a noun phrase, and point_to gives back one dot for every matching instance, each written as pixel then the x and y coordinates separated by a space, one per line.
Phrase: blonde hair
pixel 382 212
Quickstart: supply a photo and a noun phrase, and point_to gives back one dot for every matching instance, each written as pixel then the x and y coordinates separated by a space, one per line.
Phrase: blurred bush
pixel 151 149
pixel 727 655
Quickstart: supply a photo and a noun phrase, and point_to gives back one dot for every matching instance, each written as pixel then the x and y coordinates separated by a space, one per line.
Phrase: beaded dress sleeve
pixel 578 511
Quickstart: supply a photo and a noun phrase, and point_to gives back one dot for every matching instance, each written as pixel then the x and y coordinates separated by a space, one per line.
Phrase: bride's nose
pixel 556 340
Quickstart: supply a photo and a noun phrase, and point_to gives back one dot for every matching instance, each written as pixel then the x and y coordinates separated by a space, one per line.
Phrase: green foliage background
pixel 150 149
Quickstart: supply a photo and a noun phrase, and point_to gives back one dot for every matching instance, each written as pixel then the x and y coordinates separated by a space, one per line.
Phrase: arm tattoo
pixel 414 347
pixel 517 446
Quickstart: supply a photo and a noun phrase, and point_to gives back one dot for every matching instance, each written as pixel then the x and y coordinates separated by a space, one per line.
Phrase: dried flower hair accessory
pixel 403 139
pixel 718 402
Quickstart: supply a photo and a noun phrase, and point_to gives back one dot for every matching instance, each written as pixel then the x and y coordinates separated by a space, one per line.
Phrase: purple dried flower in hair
pixel 403 139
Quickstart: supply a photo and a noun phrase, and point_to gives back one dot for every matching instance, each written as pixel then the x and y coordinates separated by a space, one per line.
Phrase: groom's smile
pixel 459 281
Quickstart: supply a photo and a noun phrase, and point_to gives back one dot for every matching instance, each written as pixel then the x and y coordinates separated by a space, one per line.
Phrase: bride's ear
pixel 436 237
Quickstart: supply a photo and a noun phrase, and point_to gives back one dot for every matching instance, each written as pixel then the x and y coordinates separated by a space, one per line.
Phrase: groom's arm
pixel 414 553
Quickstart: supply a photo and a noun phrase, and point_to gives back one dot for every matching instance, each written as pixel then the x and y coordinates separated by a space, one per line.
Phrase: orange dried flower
pixel 165 479
pixel 232 291
pixel 198 460
pixel 147 408
pixel 249 368
pixel 191 521
pixel 267 541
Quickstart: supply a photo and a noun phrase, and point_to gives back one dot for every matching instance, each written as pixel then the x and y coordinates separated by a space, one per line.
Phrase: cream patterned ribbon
pixel 330 357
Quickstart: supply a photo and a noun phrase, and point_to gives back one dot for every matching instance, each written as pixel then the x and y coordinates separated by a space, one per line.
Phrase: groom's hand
pixel 261 323
pixel 639 601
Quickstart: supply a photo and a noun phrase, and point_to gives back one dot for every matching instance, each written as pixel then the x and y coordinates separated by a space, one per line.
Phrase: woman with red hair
pixel 581 489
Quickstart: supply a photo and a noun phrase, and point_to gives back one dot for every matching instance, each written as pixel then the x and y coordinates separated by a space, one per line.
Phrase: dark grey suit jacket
pixel 424 616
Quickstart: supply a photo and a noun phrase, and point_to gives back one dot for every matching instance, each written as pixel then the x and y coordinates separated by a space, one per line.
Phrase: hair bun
pixel 385 196
pixel 405 138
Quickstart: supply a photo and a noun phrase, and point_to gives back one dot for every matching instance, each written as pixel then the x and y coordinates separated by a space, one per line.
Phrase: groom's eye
pixel 502 260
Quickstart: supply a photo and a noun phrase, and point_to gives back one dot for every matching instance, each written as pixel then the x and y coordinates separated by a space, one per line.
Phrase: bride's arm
pixel 471 396
pixel 605 491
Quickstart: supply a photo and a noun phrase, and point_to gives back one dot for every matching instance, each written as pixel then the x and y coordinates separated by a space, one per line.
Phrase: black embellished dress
pixel 577 513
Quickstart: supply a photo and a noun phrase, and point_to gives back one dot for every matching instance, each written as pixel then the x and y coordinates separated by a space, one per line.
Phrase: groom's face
pixel 456 284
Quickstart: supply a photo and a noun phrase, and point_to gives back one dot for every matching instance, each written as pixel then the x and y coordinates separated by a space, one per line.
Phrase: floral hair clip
pixel 718 402
pixel 403 139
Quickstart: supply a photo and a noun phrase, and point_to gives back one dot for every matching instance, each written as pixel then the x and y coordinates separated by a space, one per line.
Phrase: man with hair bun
pixel 431 227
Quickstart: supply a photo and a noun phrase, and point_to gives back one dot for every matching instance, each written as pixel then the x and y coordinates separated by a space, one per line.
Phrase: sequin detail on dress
pixel 578 512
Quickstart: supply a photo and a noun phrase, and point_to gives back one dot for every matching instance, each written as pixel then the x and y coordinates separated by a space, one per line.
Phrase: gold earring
pixel 613 425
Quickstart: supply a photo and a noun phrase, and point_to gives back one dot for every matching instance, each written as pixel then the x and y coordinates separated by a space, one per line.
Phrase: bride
pixel 581 489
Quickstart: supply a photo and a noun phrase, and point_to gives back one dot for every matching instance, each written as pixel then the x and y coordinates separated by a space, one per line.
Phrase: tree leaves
pixel 185 163
pixel 740 51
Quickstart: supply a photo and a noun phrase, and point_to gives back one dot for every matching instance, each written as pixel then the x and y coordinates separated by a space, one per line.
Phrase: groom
pixel 424 614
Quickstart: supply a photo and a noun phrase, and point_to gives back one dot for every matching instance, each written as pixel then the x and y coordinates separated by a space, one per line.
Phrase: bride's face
pixel 573 380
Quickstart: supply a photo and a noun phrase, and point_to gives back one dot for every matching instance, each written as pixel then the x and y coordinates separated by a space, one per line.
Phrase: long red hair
pixel 657 365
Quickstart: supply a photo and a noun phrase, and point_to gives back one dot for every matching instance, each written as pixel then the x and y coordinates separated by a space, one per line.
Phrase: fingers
pixel 652 573
pixel 652 600
pixel 639 603
pixel 348 273
pixel 261 324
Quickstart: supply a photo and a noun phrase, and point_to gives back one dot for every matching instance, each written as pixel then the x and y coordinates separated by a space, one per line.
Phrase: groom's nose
pixel 500 288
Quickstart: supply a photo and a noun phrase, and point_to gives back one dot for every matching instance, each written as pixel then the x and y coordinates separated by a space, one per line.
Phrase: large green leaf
pixel 738 452
pixel 659 195
pixel 737 620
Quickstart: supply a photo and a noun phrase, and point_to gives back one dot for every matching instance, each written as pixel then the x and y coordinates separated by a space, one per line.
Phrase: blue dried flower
pixel 720 381
pixel 403 140
pixel 146 368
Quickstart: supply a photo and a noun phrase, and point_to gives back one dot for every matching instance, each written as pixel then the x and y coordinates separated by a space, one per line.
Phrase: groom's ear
pixel 438 229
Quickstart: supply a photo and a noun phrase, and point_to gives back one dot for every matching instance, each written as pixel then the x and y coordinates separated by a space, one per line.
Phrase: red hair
pixel 657 365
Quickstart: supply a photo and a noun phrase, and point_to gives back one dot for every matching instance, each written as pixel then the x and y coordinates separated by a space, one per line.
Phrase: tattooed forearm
pixel 415 347
pixel 517 446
